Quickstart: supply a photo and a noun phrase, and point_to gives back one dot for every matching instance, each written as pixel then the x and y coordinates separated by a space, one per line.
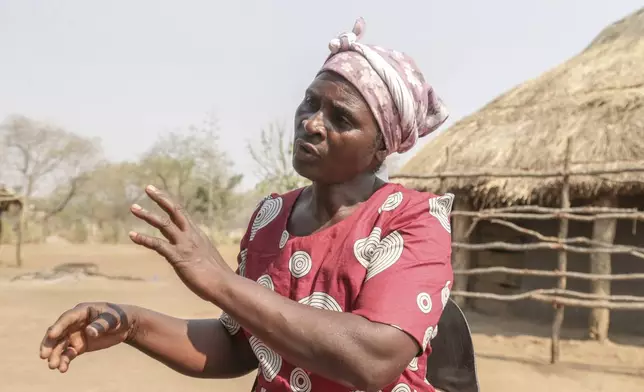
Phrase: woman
pixel 340 285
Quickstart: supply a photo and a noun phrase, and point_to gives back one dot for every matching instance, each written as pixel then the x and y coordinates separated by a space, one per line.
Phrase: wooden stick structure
pixel 550 274
pixel 562 259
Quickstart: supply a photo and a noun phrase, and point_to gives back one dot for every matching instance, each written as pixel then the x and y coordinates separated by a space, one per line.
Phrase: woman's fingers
pixel 78 330
pixel 68 355
pixel 77 346
pixel 173 209
pixel 57 351
pixel 165 226
pixel 66 320
pixel 105 322
pixel 156 244
pixel 73 318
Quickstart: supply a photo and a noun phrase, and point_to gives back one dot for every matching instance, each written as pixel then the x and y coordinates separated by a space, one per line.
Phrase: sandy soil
pixel 511 355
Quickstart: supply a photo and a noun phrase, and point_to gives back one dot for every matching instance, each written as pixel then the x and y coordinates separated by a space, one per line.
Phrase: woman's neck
pixel 328 201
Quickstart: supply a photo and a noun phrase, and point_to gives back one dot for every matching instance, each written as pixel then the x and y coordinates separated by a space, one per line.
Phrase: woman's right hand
pixel 87 327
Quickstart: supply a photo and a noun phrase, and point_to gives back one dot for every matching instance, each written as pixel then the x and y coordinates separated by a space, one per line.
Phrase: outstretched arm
pixel 343 347
pixel 196 348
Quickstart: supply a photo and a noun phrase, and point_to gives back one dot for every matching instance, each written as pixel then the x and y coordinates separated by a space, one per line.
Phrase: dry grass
pixel 509 358
pixel 596 98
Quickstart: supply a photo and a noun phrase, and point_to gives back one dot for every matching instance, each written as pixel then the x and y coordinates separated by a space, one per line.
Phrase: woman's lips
pixel 306 150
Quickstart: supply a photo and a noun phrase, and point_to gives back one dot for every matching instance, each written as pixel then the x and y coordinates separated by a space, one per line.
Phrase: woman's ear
pixel 381 155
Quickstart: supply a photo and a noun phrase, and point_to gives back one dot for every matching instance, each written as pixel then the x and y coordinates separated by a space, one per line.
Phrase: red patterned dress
pixel 389 262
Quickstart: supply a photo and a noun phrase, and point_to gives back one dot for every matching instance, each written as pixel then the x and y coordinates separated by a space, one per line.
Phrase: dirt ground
pixel 511 355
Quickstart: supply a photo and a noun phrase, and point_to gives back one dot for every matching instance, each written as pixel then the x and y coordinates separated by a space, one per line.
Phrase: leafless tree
pixel 39 157
pixel 190 165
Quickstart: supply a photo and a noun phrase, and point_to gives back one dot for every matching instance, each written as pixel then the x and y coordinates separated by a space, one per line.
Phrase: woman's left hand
pixel 187 248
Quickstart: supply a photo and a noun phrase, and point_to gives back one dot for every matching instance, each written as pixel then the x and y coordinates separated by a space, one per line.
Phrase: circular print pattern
pixel 300 264
pixel 424 302
pixel 440 207
pixel 300 381
pixel 392 202
pixel 269 362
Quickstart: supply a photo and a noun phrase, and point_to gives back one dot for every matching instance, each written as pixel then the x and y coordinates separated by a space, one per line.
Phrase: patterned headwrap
pixel 403 104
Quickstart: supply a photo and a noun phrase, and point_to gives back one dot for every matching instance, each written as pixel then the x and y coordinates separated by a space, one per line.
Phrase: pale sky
pixel 127 70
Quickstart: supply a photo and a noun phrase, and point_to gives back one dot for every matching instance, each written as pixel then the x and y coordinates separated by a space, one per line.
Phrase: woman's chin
pixel 306 169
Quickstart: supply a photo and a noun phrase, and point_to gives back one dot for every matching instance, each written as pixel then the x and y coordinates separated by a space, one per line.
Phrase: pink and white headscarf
pixel 403 104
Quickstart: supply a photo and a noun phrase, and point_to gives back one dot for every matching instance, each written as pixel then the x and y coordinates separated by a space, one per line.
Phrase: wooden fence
pixel 600 300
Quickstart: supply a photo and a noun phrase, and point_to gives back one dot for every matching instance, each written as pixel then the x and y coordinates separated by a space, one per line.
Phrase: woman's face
pixel 336 135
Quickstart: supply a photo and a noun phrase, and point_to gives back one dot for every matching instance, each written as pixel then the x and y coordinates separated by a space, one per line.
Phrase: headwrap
pixel 404 105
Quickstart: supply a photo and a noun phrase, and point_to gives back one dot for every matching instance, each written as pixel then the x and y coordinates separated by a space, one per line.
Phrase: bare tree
pixel 40 157
pixel 103 202
pixel 187 163
pixel 191 166
pixel 272 155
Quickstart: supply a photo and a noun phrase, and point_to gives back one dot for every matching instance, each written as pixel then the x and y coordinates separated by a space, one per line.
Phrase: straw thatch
pixel 596 98
pixel 8 199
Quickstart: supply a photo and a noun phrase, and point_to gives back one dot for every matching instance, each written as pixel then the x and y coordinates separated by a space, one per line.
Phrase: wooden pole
pixel 1 235
pixel 460 226
pixel 461 257
pixel 600 263
pixel 551 295
pixel 20 232
pixel 562 261
pixel 555 274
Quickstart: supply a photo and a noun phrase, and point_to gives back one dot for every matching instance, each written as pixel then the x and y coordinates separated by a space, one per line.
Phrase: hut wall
pixel 494 283
pixel 629 322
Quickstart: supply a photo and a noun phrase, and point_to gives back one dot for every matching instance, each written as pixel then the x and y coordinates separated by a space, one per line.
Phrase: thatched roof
pixel 8 198
pixel 596 98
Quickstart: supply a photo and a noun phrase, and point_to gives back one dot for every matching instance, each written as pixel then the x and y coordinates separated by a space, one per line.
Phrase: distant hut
pixel 595 99
pixel 9 202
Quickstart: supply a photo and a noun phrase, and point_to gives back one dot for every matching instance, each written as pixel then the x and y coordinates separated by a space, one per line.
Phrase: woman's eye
pixel 310 101
pixel 343 121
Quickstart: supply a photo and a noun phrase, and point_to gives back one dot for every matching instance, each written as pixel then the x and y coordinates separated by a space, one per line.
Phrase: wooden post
pixel 1 239
pixel 460 257
pixel 460 226
pixel 19 233
pixel 600 263
pixel 562 261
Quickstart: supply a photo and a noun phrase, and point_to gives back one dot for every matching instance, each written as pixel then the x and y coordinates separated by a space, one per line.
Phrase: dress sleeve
pixel 231 325
pixel 243 245
pixel 409 275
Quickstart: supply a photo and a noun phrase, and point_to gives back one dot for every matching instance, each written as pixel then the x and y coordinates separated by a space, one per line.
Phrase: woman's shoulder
pixel 275 203
pixel 285 196
pixel 404 206
pixel 271 210
pixel 411 199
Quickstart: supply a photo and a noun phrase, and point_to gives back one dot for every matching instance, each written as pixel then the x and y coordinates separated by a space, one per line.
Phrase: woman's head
pixel 336 135
pixel 365 103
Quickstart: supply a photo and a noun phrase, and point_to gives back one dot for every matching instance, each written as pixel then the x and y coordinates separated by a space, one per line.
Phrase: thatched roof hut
pixel 595 98
pixel 8 199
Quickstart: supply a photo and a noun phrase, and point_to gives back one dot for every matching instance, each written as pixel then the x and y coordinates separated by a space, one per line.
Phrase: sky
pixel 127 71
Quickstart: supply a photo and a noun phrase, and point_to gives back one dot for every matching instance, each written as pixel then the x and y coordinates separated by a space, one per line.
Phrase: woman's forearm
pixel 342 347
pixel 196 348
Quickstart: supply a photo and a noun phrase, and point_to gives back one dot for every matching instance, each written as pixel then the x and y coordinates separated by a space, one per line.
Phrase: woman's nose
pixel 314 125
